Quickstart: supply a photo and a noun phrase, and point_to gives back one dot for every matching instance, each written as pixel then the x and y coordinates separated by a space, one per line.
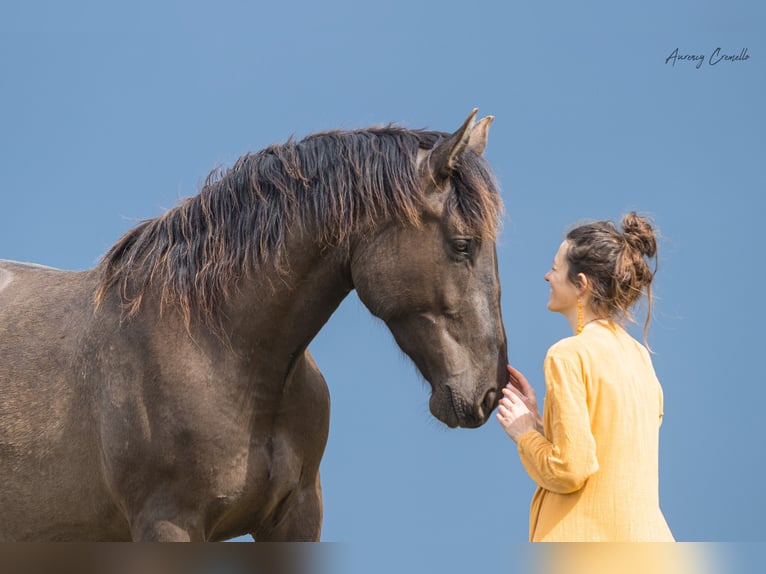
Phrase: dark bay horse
pixel 169 394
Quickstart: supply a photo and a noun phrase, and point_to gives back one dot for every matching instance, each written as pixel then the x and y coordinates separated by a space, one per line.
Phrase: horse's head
pixel 435 283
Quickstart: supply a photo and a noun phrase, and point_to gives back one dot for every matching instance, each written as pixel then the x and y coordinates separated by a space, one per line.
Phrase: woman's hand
pixel 517 411
pixel 519 385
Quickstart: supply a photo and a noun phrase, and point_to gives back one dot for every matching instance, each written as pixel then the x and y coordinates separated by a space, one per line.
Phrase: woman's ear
pixel 583 285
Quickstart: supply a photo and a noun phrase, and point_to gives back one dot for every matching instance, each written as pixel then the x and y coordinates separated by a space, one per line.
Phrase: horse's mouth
pixel 457 413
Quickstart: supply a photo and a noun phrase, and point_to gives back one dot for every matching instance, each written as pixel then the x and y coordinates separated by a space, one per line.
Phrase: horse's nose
pixel 478 414
pixel 489 403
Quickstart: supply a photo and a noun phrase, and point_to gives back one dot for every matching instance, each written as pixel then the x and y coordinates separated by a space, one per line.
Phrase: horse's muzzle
pixel 454 411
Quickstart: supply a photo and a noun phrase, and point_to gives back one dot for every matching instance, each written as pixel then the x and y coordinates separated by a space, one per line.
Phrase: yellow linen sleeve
pixel 563 459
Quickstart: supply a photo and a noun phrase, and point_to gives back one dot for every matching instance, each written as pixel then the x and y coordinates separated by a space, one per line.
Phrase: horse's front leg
pixel 161 522
pixel 305 423
pixel 164 530
pixel 297 519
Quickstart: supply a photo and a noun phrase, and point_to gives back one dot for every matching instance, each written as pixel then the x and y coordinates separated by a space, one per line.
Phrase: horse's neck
pixel 280 312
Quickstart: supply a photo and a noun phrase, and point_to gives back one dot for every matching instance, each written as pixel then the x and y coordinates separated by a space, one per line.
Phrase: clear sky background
pixel 112 112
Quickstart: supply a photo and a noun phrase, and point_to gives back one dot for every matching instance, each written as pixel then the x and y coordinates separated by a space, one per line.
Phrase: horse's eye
pixel 462 246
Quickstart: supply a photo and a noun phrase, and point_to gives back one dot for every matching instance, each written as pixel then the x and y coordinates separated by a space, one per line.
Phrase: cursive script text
pixel 716 57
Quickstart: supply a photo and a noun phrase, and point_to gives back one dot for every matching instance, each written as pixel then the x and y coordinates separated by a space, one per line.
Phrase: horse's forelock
pixel 476 201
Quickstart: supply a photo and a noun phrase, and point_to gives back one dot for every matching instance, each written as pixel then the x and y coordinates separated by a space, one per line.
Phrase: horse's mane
pixel 331 182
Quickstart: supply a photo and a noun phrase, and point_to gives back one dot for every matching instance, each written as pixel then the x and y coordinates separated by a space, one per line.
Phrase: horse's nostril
pixel 490 401
pixel 487 405
pixel 472 414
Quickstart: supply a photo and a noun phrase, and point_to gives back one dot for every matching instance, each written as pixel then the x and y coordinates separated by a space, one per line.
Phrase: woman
pixel 594 453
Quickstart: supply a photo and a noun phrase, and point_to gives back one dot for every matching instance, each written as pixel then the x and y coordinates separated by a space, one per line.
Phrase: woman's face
pixel 564 293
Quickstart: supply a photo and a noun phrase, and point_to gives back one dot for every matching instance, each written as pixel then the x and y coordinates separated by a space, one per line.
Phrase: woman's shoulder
pixel 566 348
pixel 629 341
pixel 565 362
pixel 593 342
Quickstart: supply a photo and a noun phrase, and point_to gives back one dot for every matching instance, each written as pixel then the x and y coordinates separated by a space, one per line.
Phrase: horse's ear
pixel 478 140
pixel 470 136
pixel 445 154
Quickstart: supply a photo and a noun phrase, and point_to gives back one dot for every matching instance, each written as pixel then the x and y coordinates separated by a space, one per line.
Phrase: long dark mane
pixel 333 182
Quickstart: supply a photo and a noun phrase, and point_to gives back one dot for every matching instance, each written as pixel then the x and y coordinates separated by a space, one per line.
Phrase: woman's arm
pixel 563 458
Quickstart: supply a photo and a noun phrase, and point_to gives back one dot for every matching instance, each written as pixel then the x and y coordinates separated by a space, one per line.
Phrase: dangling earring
pixel 579 317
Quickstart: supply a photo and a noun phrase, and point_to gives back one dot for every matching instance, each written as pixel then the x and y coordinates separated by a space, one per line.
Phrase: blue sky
pixel 112 112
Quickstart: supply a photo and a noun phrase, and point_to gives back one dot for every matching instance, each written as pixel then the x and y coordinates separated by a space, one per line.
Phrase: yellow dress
pixel 596 466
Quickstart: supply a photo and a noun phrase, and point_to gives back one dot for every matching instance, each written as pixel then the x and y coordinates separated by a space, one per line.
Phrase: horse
pixel 168 393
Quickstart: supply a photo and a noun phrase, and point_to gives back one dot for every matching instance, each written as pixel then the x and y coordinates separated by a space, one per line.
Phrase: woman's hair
pixel 615 263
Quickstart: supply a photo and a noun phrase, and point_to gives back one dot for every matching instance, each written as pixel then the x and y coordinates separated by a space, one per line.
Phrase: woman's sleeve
pixel 563 461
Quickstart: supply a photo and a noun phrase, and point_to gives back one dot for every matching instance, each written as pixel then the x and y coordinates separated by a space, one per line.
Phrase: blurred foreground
pixel 378 557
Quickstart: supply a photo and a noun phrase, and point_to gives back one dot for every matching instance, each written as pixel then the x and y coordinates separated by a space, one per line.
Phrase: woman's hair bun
pixel 639 234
